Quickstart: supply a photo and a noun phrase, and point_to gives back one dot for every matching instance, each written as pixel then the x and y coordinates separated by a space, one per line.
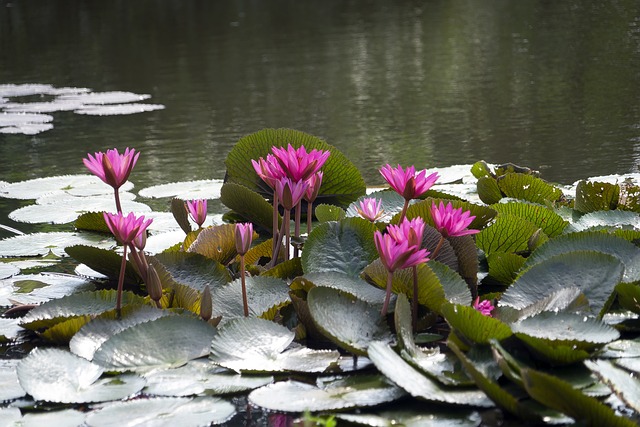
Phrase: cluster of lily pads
pixel 457 295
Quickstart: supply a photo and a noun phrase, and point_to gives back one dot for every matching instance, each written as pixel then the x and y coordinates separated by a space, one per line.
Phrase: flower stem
pixel 287 233
pixel 274 224
pixel 117 197
pixel 123 267
pixel 403 214
pixel 245 304
pixel 298 217
pixel 385 306
pixel 276 252
pixel 434 254
pixel 309 216
pixel 140 261
pixel 414 300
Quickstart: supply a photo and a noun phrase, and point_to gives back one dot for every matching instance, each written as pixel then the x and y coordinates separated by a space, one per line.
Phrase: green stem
pixel 414 301
pixel 298 217
pixel 117 196
pixel 403 214
pixel 245 304
pixel 276 253
pixel 123 267
pixel 287 233
pixel 309 217
pixel 385 306
pixel 434 254
pixel 274 224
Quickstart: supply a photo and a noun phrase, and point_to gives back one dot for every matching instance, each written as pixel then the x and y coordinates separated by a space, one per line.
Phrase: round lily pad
pixel 189 190
pixel 117 109
pixel 113 97
pixel 42 243
pixel 75 185
pixel 10 388
pixel 39 288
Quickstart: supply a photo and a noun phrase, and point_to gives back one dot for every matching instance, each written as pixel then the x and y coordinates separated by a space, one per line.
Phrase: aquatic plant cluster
pixel 496 296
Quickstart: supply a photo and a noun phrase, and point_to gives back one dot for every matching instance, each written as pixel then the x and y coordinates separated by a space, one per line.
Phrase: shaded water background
pixel 546 84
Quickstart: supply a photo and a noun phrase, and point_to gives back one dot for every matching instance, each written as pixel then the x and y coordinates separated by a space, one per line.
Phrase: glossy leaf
pixel 509 233
pixel 596 196
pixel 216 243
pixel 504 266
pixel 43 243
pixel 103 261
pixel 625 386
pixel 326 213
pixel 528 187
pixel 474 325
pixel 248 204
pixel 550 222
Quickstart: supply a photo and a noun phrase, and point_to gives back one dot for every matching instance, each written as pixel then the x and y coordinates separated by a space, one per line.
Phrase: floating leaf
pixel 606 220
pixel 163 412
pixel 555 393
pixel 42 243
pixel 509 233
pixel 342 282
pixel 474 325
pixel 9 330
pixel 76 185
pixel 189 190
pixel 103 261
pixel 111 97
pixel 39 288
pixel 117 109
pixel 504 266
pixel 528 187
pixel 569 299
pixel 192 269
pixel 166 342
pixel 620 248
pixel 199 377
pixel 569 328
pixel 350 323
pixel 629 296
pixel 326 213
pixel 488 190
pixel 10 388
pixel 594 273
pixel 335 393
pixel 248 204
pixel 625 386
pixel 258 345
pixel 93 334
pixel 596 196
pixel 418 385
pixel 8 270
pixel 549 221
pixel 62 418
pixel 55 375
pixel 343 247
pixel 342 183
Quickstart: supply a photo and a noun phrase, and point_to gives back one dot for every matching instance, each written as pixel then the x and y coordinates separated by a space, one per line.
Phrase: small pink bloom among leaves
pixel 290 192
pixel 197 210
pixel 406 182
pixel 371 209
pixel 408 230
pixel 452 222
pixel 397 255
pixel 314 182
pixel 244 236
pixel 269 169
pixel 126 228
pixel 485 307
pixel 112 167
pixel 299 164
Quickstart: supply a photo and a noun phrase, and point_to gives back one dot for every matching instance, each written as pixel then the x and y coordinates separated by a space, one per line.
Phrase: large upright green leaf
pixel 528 187
pixel 550 222
pixel 475 326
pixel 342 183
pixel 191 269
pixel 596 274
pixel 248 204
pixel 509 233
pixel 344 247
pixel 596 196
pixel 103 261
pixel 217 243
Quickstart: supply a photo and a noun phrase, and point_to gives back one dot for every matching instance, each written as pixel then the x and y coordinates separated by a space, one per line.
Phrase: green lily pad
pixel 343 247
pixel 62 418
pixel 326 213
pixel 504 266
pixel 412 414
pixel 166 342
pixel 265 295
pixel 217 243
pixel 191 269
pixel 199 377
pixel 596 196
pixel 625 386
pixel 558 394
pixel 93 334
pixel 55 375
pixel 258 345
pixel 350 323
pixel 164 412
pixel 9 330
pixel 620 248
pixel 38 244
pixel 189 190
pixel 77 185
pixel 104 261
pixel 569 299
pixel 80 304
pixel 331 394
pixel 488 190
pixel 39 288
pixel 10 388
pixel 509 233
pixel 418 385
pixel 250 205
pixel 528 187
pixel 606 220
pixel 549 221
pixel 629 296
pixel 8 270
pixel 342 182
pixel 474 325
pixel 342 282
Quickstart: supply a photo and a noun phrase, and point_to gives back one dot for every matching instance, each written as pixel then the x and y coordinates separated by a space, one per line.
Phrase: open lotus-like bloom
pixel 370 208
pixel 406 182
pixel 197 210
pixel 269 169
pixel 290 192
pixel 298 164
pixel 112 167
pixel 396 254
pixel 451 222
pixel 244 235
pixel 126 228
pixel 485 307
pixel 410 231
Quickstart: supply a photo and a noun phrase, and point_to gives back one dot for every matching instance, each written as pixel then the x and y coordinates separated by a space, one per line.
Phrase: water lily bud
pixel 244 235
pixel 535 240
pixel 154 286
pixel 206 304
pixel 140 241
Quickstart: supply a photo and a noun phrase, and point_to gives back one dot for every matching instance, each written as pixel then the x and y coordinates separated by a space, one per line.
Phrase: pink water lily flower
pixel 197 210
pixel 112 167
pixel 396 255
pixel 244 236
pixel 410 231
pixel 370 209
pixel 299 164
pixel 290 192
pixel 406 182
pixel 485 307
pixel 269 169
pixel 315 182
pixel 126 228
pixel 452 222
